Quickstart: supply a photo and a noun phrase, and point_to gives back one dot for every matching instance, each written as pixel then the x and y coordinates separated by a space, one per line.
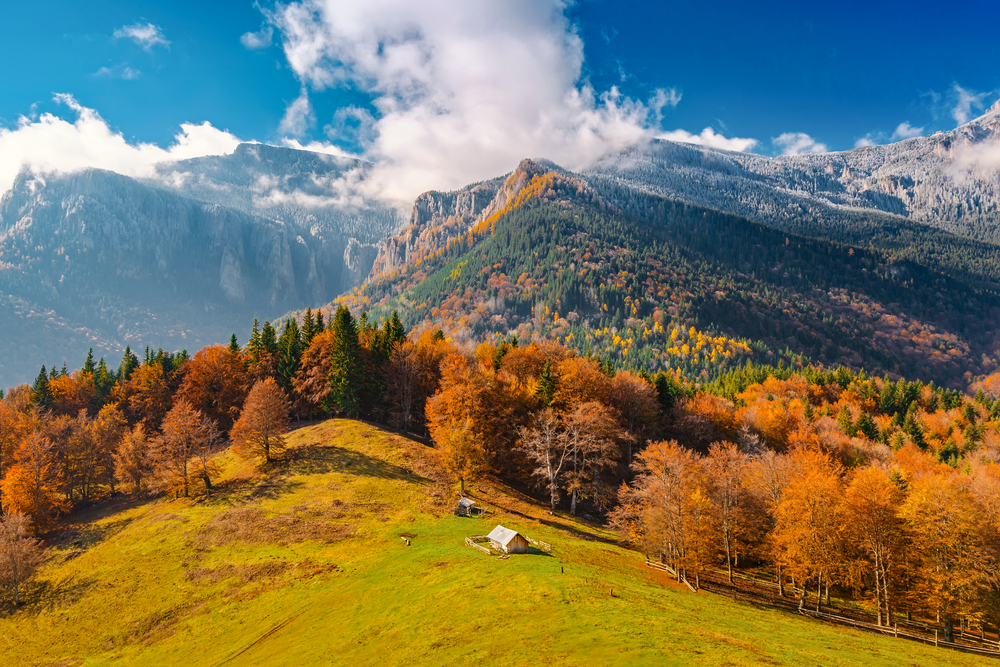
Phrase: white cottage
pixel 508 541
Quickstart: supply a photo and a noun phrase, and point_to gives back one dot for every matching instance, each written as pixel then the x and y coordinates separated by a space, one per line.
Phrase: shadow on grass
pixel 47 595
pixel 317 459
pixel 276 479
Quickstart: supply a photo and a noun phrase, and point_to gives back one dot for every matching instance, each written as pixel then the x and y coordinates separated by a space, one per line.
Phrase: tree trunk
pixel 949 629
pixel 572 503
pixel 819 592
pixel 729 560
pixel 781 583
pixel 461 480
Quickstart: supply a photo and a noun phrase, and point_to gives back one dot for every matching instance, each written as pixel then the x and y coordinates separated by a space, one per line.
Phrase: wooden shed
pixel 508 541
pixel 465 507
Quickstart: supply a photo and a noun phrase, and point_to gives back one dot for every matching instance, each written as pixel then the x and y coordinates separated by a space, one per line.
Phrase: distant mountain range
pixel 183 258
pixel 97 259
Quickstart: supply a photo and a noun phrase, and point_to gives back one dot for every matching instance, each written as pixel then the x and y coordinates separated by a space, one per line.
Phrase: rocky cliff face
pixel 438 218
pixel 179 260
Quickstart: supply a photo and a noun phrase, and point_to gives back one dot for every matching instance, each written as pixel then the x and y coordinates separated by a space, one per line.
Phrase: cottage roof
pixel 502 535
pixel 465 502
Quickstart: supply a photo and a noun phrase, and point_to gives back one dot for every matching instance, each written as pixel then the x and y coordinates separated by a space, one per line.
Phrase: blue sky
pixel 434 87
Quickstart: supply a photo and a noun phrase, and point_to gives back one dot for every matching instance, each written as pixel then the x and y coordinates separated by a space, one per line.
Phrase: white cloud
pixel 461 91
pixel 122 71
pixel 709 138
pixel 147 36
pixel 298 116
pixel 663 98
pixel 50 144
pixel 865 141
pixel 907 131
pixel 967 100
pixel 798 143
pixel 258 40
pixel 984 155
pixel 353 125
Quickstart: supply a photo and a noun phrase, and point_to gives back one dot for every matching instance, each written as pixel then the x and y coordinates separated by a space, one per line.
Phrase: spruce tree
pixel 234 345
pixel 308 330
pixel 345 365
pixel 268 338
pixel 129 363
pixel 546 389
pixel 104 379
pixel 320 326
pixel 397 334
pixel 253 345
pixel 289 354
pixel 88 365
pixel 40 394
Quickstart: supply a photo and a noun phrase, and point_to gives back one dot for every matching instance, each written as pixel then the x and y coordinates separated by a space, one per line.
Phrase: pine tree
pixel 345 365
pixel 234 345
pixel 498 356
pixel 88 365
pixel 866 425
pixel 40 394
pixel 129 363
pixel 397 334
pixel 546 389
pixel 320 326
pixel 253 345
pixel 289 354
pixel 268 338
pixel 308 327
pixel 104 379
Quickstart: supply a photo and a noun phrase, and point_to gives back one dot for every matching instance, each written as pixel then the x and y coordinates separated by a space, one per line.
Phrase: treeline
pixel 920 459
pixel 157 423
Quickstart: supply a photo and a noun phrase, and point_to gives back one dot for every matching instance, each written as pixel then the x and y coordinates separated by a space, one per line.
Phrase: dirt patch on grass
pixel 242 573
pixel 251 526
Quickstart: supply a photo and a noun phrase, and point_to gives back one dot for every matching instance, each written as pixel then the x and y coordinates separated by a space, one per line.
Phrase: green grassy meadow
pixel 304 565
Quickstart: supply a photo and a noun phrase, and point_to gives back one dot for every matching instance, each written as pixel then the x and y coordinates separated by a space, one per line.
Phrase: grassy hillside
pixel 304 565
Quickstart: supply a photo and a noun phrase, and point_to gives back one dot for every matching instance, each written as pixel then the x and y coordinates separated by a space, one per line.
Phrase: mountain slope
pixel 947 180
pixel 304 565
pixel 628 284
pixel 99 259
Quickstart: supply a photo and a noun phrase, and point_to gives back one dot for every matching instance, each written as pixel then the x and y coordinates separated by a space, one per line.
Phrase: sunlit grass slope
pixel 304 565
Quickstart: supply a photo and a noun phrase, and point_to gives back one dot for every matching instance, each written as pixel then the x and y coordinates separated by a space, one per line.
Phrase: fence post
pixel 935 638
pixel 895 631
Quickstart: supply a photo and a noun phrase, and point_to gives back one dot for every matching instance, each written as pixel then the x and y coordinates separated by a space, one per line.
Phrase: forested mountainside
pixel 97 259
pixel 659 284
pixel 939 180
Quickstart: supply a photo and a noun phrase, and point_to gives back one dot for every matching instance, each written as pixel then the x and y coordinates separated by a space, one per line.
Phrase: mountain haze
pixel 98 259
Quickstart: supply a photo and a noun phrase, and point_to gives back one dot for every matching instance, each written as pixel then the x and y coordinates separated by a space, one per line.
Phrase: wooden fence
pixel 544 546
pixel 472 542
pixel 929 635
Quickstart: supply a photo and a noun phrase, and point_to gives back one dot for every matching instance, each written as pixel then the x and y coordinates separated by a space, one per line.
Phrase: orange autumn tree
pixel 31 485
pixel 260 430
pixel 872 523
pixel 808 521
pixel 941 515
pixel 662 506
pixel 215 384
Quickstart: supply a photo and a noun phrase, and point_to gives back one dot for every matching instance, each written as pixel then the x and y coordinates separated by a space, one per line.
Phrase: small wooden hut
pixel 508 541
pixel 465 507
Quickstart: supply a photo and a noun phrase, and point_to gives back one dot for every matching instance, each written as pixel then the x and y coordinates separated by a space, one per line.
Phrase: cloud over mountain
pixel 50 144
pixel 461 91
